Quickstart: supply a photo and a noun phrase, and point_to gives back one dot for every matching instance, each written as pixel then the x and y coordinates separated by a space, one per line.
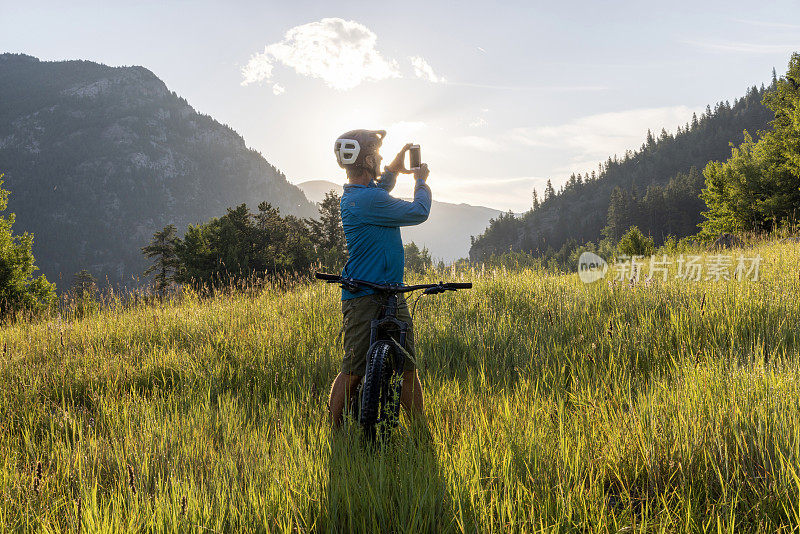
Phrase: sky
pixel 500 96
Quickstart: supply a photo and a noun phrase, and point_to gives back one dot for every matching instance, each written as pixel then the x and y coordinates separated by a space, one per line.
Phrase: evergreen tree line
pixel 673 209
pixel 237 246
pixel 242 245
pixel 656 187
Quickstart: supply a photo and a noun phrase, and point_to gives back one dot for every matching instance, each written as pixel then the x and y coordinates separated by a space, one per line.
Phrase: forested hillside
pixel 756 189
pixel 98 158
pixel 656 187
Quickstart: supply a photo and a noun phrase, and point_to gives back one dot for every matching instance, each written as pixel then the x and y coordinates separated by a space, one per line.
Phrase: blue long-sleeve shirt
pixel 372 219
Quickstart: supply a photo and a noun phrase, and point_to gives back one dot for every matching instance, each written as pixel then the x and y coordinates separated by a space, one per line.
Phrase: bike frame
pixel 388 317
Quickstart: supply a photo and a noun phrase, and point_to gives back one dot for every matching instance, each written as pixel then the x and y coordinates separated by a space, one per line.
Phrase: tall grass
pixel 552 406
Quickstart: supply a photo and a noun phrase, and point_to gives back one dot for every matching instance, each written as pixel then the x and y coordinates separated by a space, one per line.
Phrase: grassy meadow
pixel 552 406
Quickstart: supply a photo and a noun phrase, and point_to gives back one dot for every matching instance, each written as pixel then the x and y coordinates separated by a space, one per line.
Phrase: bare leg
pixel 342 390
pixel 411 395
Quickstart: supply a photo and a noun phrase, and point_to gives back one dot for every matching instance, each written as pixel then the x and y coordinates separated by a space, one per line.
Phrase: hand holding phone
pixel 414 157
pixel 421 172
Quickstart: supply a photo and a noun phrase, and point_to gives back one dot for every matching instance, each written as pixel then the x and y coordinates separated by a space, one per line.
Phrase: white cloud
pixel 259 68
pixel 480 121
pixel 340 52
pixel 595 137
pixel 422 69
pixel 278 89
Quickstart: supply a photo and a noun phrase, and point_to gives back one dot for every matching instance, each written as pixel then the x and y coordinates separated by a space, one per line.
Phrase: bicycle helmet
pixel 352 148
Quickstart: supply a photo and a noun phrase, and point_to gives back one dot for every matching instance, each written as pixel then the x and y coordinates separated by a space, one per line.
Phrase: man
pixel 372 219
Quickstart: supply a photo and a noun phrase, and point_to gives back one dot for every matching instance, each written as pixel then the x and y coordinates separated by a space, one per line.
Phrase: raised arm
pixel 386 210
pixel 387 180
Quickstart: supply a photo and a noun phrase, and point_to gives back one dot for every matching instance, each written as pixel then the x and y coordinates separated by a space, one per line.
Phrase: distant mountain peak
pixel 315 190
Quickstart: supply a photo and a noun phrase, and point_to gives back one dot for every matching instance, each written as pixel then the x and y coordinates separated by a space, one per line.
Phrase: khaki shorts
pixel 358 313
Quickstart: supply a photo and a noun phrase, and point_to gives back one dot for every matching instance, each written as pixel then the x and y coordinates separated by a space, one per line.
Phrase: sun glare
pixel 398 133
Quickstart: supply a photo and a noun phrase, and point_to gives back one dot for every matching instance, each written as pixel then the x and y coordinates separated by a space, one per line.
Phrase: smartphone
pixel 414 158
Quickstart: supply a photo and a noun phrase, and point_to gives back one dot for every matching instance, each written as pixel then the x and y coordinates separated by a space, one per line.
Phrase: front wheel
pixel 380 393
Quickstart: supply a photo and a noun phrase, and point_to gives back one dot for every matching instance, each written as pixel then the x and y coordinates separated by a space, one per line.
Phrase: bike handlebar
pixel 328 277
pixel 353 284
pixel 460 285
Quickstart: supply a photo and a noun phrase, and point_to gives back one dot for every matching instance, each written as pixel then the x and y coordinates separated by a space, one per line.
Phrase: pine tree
pixel 634 243
pixel 19 290
pixel 162 248
pixel 549 191
pixel 623 212
pixel 535 199
pixel 572 182
pixel 417 260
pixel 327 233
pixel 84 285
pixel 650 139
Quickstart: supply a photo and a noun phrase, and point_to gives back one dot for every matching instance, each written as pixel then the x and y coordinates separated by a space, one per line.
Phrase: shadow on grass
pixel 399 486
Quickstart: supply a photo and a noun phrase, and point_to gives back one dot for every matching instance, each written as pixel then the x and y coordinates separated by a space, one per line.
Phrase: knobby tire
pixel 380 397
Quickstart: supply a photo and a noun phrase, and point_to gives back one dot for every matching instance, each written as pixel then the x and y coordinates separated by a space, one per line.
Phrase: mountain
pixel 315 190
pixel 98 158
pixel 656 187
pixel 447 231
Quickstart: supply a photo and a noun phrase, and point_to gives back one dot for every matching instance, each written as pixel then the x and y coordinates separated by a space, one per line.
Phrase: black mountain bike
pixel 377 404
